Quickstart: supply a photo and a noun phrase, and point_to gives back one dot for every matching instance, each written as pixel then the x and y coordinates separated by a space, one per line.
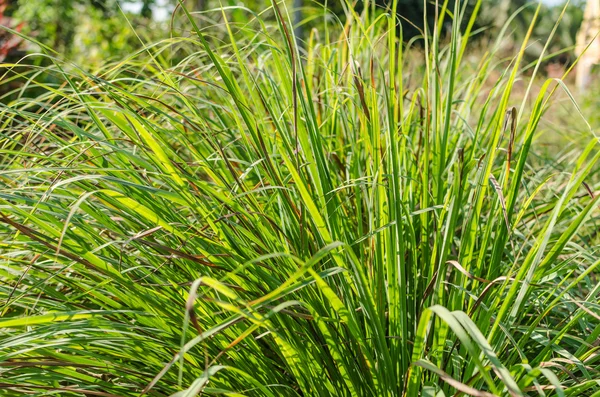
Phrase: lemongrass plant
pixel 352 217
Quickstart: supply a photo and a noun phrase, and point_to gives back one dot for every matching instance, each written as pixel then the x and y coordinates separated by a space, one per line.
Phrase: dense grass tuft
pixel 350 218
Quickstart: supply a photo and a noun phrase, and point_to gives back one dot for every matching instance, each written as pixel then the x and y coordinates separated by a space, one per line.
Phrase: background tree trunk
pixel 588 32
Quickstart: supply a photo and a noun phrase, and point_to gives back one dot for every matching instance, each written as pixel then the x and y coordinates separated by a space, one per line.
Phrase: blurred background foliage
pixel 91 30
pixel 71 26
pixel 92 33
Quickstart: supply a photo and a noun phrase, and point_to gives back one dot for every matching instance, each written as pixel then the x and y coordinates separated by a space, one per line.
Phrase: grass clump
pixel 355 217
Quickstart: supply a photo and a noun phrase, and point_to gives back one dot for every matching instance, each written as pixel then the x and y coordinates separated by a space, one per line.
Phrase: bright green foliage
pixel 353 219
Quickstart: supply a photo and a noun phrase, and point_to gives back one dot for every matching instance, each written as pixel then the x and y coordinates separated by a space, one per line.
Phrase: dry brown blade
pixel 540 387
pixel 430 286
pixel 486 290
pixel 546 364
pixel 32 234
pixel 585 309
pixel 498 190
pixel 146 233
pixel 508 117
pixel 189 307
pixel 464 388
pixel 592 356
pixel 458 267
pixel 571 362
pixel 461 269
pixel 589 190
pixel 342 74
pixel 85 392
pixel 480 160
pixel 189 304
pixel 459 393
pixel 503 131
pixel 513 129
pixel 357 77
pixel 181 254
